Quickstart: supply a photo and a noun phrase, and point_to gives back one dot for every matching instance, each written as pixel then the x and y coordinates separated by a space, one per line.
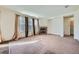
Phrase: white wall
pixel 43 22
pixel 55 26
pixel 76 26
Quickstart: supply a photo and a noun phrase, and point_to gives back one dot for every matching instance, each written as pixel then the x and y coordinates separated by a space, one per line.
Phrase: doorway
pixel 69 26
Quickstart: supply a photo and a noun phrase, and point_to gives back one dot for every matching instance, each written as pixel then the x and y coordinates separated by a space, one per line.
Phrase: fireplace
pixel 43 30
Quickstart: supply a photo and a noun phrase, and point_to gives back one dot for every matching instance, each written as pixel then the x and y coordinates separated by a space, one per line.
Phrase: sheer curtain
pixel 30 26
pixel 21 26
pixel 36 26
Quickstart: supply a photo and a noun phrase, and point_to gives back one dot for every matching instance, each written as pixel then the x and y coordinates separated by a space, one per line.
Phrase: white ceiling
pixel 46 11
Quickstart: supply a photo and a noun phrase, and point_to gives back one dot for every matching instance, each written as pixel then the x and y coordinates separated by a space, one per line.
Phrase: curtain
pixel 26 26
pixel 21 26
pixel 36 22
pixel 15 36
pixel 33 26
pixel 30 26
pixel 0 36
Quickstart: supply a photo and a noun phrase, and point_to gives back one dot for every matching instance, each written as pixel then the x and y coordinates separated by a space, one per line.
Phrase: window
pixel 30 26
pixel 27 26
pixel 36 26
pixel 22 26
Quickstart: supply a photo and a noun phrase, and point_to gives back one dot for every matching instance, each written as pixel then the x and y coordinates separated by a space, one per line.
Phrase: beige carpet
pixel 45 44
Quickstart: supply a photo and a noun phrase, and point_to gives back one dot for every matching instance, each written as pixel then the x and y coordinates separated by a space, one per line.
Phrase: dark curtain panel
pixel 26 26
pixel 33 26
pixel 38 23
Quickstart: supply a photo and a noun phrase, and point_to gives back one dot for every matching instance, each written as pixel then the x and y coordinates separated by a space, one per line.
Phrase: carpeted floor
pixel 44 44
